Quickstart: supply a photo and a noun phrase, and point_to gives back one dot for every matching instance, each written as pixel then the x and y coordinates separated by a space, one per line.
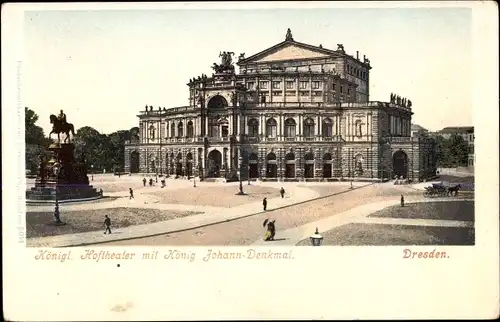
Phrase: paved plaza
pixel 213 214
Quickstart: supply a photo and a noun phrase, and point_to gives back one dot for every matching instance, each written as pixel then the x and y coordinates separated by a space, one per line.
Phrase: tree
pixel 35 140
pixel 452 152
pixel 458 150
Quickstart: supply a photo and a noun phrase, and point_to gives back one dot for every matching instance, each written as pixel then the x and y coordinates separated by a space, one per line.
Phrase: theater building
pixel 292 112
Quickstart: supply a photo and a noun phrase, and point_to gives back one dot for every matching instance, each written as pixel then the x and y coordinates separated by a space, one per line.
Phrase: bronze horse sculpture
pixel 59 127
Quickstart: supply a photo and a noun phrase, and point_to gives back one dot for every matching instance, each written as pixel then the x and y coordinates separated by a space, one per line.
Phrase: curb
pixel 213 223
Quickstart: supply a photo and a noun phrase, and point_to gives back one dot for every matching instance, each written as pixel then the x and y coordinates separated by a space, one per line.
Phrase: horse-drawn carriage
pixel 441 190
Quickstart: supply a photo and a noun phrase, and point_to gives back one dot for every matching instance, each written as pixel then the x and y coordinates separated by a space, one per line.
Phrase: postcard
pixel 262 160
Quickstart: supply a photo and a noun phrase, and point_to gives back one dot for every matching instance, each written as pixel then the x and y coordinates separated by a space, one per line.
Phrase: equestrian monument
pixel 61 177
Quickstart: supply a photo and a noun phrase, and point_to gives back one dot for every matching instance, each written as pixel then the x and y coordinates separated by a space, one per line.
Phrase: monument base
pixel 47 192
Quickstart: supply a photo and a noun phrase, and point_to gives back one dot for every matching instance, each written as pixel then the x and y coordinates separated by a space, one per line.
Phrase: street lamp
pixel 316 238
pixel 92 172
pixel 56 170
pixel 240 159
pixel 248 174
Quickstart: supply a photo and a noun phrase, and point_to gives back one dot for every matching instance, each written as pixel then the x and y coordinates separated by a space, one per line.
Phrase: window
pixel 263 99
pixel 308 128
pixel 263 85
pixel 190 129
pixel 348 91
pixel 290 126
pixel 333 86
pixel 315 85
pixel 303 85
pixel 253 128
pixel 276 85
pixel 316 93
pixel 290 84
pixel 304 93
pixel 271 128
pixel 250 85
pixel 180 129
pixel 341 89
pixel 327 128
pixel 172 130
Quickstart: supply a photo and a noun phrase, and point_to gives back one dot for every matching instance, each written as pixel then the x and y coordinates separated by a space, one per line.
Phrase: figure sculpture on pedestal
pixel 409 103
pixel 289 35
pixel 59 125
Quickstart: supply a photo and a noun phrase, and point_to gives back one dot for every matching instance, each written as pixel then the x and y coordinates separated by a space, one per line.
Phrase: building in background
pixel 293 112
pixel 418 130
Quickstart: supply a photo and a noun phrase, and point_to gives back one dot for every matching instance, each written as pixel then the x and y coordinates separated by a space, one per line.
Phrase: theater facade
pixel 292 112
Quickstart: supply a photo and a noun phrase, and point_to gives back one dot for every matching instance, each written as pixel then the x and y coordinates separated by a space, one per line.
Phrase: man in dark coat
pixel 144 182
pixel 107 223
pixel 264 203
pixel 282 192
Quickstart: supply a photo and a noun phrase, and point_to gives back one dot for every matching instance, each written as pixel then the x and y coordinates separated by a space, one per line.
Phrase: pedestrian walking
pixel 402 201
pixel 131 193
pixel 264 203
pixel 119 174
pixel 144 182
pixel 282 192
pixel 150 182
pixel 107 224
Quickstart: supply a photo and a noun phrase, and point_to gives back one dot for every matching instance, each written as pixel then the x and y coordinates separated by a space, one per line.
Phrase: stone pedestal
pixel 70 183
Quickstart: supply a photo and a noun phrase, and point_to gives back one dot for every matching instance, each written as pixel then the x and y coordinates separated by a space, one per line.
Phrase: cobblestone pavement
pixel 245 231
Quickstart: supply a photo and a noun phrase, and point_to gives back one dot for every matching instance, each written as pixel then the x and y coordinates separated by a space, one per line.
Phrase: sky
pixel 103 67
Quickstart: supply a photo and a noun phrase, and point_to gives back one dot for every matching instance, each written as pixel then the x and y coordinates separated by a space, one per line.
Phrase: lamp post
pixel 240 159
pixel 56 170
pixel 248 174
pixel 92 172
pixel 316 238
pixel 354 170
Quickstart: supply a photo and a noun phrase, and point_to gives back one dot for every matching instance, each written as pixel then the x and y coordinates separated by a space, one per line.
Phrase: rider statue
pixel 62 117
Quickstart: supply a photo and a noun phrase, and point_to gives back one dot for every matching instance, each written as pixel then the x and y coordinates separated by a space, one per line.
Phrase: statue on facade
pixel 200 99
pixel 392 98
pixel 409 103
pixel 404 101
pixel 340 47
pixel 288 35
pixel 226 63
pixel 241 56
pixel 60 125
pixel 398 100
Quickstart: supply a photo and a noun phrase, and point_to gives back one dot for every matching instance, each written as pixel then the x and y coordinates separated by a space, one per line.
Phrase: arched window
pixel 308 128
pixel 152 132
pixel 358 128
pixel 327 128
pixel 290 126
pixel 253 128
pixel 190 129
pixel 172 130
pixel 180 129
pixel 271 128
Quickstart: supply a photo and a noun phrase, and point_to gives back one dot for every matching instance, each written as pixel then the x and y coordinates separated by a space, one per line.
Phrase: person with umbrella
pixel 271 229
